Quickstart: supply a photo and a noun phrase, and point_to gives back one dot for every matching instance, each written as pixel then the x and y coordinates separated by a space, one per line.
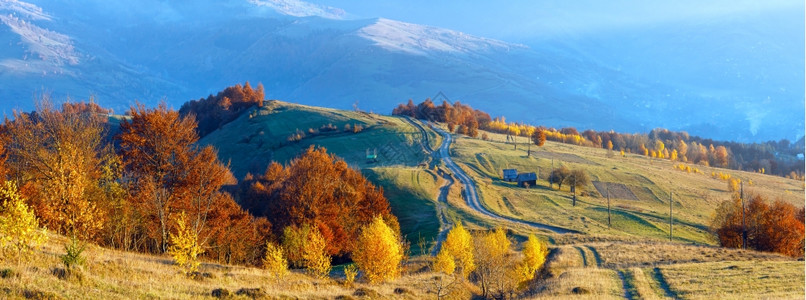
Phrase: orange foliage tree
pixel 215 111
pixel 777 228
pixel 318 189
pixel 168 173
pixel 54 155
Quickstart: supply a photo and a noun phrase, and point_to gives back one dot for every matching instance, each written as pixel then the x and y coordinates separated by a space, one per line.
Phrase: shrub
pixel 350 272
pixel 19 228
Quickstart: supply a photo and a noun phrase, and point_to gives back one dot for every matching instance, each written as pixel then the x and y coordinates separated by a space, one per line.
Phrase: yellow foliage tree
pixel 185 248
pixel 459 245
pixel 673 155
pixel 315 255
pixel 734 185
pixel 534 253
pixel 444 263
pixel 19 228
pixel 378 252
pixel 274 261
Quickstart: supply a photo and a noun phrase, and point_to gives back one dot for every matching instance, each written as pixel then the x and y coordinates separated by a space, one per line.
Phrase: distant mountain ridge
pixel 177 51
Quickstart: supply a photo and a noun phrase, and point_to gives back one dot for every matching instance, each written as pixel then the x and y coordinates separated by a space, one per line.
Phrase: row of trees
pixel 488 259
pixel 778 158
pixel 152 188
pixel 126 191
pixel 215 111
pixel 460 118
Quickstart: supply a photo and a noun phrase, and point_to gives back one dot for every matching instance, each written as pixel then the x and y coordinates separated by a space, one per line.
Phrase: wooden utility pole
pixel 551 180
pixel 608 206
pixel 670 216
pixel 744 230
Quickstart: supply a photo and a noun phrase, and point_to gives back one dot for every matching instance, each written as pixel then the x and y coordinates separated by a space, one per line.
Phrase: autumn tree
pixel 721 156
pixel 184 246
pixel 776 228
pixel 378 252
pixel 315 256
pixel 215 111
pixel 577 179
pixel 168 172
pixel 559 176
pixel 534 252
pixel 54 155
pixel 320 189
pixel 19 228
pixel 444 263
pixel 459 246
pixel 274 260
pixel 233 235
pixel 491 253
pixel 539 137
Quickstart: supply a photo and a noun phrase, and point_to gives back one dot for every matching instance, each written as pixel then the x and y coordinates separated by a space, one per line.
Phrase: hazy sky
pixel 518 20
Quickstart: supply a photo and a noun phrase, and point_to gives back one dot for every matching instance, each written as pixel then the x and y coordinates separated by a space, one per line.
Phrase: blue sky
pixel 523 20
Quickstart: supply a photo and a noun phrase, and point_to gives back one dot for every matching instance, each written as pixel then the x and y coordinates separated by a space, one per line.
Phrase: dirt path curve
pixel 445 224
pixel 471 195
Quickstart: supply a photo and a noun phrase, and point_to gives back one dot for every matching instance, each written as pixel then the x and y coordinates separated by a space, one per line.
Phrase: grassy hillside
pixel 641 189
pixel 260 136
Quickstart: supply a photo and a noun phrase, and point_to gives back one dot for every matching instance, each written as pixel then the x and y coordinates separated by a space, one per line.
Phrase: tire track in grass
pixel 596 255
pixel 627 285
pixel 664 285
pixel 583 255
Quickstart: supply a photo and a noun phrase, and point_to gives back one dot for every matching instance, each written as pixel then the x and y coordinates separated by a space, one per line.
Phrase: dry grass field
pixel 111 274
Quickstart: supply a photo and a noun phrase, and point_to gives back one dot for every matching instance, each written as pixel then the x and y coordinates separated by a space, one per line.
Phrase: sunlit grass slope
pixel 694 195
pixel 261 136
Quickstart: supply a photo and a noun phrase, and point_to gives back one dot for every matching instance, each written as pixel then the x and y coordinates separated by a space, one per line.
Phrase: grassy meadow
pixel 650 181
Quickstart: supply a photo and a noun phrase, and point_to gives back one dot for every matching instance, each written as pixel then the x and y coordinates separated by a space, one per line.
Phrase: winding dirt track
pixel 470 193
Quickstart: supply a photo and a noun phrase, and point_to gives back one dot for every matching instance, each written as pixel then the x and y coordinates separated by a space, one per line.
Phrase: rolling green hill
pixel 261 136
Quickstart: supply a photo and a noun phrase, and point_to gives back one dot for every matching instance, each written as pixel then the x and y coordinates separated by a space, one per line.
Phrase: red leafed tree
pixel 234 235
pixel 215 111
pixel 169 173
pixel 318 189
pixel 776 228
pixel 156 146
